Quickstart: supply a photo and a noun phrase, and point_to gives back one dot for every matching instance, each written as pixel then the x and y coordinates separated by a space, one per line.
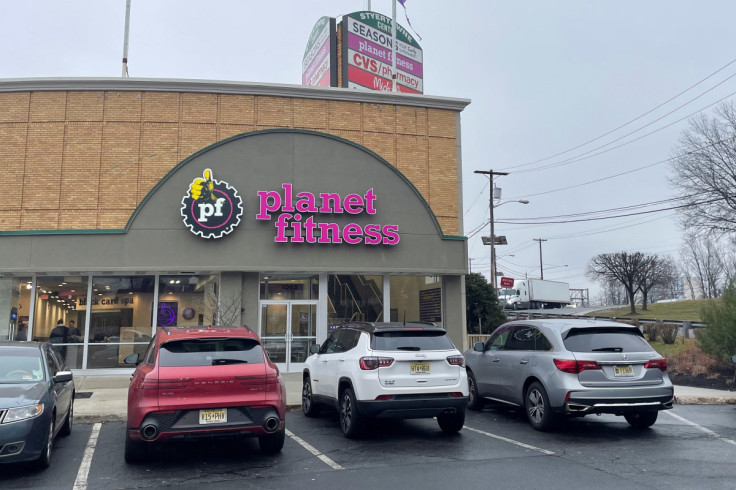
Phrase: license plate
pixel 623 371
pixel 213 416
pixel 419 368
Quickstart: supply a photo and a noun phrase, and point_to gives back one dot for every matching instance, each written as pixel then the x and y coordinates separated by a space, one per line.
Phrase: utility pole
pixel 490 174
pixel 541 269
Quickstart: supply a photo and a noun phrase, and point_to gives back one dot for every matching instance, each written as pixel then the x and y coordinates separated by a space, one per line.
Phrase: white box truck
pixel 535 293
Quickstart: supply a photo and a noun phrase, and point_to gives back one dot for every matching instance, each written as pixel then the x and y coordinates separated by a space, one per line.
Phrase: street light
pixel 493 240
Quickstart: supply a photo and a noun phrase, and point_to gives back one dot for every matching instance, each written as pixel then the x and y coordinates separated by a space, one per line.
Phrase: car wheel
pixel 451 422
pixel 272 443
pixel 538 410
pixel 641 420
pixel 66 429
pixel 474 400
pixel 309 408
pixel 515 306
pixel 44 460
pixel 351 422
pixel 135 451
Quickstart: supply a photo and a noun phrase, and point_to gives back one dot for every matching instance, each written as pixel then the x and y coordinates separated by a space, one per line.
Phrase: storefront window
pixel 355 297
pixel 190 301
pixel 416 298
pixel 120 319
pixel 289 287
pixel 15 304
pixel 59 316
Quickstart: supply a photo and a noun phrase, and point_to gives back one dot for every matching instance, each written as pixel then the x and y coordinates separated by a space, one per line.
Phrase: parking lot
pixel 692 446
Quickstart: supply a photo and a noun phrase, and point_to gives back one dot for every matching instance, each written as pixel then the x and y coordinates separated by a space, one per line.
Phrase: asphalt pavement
pixel 103 398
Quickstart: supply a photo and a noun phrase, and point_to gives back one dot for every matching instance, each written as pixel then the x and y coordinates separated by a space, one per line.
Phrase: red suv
pixel 203 382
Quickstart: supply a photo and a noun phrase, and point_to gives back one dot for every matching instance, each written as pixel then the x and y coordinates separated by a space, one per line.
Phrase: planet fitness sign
pixel 296 224
pixel 211 208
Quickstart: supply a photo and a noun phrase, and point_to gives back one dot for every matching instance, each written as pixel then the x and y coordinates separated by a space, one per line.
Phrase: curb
pixel 704 400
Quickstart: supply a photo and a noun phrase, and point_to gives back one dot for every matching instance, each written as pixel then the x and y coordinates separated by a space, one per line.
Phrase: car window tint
pixel 347 340
pixel 58 357
pixel 210 352
pixel 412 340
pixel 498 339
pixel 54 366
pixel 150 356
pixel 525 337
pixel 605 340
pixel 328 347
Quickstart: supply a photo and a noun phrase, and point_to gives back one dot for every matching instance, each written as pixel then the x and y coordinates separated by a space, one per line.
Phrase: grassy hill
pixel 686 310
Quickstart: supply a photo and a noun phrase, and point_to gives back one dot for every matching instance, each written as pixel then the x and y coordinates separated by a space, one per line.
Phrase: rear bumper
pixel 180 424
pixel 619 401
pixel 413 406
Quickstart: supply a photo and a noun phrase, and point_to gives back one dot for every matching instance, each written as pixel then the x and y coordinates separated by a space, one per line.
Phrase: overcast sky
pixel 543 78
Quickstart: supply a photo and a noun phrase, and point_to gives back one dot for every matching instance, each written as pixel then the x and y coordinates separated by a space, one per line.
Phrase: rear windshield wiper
pixel 228 361
pixel 608 349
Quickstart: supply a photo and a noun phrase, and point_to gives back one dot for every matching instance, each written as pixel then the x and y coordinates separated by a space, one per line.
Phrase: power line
pixel 631 121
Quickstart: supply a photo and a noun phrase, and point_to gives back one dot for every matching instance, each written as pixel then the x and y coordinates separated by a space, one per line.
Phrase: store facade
pixel 147 203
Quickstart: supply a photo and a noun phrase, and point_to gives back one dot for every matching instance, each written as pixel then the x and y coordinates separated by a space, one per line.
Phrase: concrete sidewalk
pixel 104 398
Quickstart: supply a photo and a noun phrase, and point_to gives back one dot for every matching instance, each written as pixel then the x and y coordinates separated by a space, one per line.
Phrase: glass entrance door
pixel 288 329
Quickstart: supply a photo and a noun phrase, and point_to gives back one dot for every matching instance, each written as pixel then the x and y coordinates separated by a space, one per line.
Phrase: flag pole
pixel 393 47
pixel 125 41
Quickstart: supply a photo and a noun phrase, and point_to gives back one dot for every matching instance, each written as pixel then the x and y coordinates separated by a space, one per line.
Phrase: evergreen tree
pixel 483 311
pixel 719 338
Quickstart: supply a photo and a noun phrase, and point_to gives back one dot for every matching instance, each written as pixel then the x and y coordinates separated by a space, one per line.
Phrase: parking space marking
pixel 314 451
pixel 81 482
pixel 510 441
pixel 700 427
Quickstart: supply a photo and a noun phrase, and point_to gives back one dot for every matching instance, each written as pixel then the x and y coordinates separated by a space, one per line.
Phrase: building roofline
pixel 229 88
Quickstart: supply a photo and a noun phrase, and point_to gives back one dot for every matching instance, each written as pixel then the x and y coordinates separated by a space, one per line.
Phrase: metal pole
pixel 125 41
pixel 393 47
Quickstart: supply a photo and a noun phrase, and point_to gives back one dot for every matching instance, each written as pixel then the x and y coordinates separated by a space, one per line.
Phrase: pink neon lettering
pixel 390 234
pixel 281 225
pixel 373 234
pixel 352 234
pixel 370 198
pixel 353 204
pixel 265 208
pixel 288 207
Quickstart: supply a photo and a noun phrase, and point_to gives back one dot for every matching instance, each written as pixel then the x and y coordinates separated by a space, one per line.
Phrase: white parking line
pixel 81 482
pixel 700 427
pixel 314 451
pixel 510 441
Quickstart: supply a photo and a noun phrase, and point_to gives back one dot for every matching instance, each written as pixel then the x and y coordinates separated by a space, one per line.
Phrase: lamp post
pixel 493 240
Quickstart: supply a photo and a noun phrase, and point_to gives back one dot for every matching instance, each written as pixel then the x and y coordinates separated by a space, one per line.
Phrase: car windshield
pixel 20 365
pixel 605 340
pixel 412 340
pixel 210 352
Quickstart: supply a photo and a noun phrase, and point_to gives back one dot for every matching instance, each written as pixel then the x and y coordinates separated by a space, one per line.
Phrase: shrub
pixel 693 362
pixel 668 333
pixel 651 331
pixel 719 338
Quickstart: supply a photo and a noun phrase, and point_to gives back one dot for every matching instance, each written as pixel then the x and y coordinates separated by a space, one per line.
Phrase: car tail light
pixel 573 366
pixel 456 394
pixel 660 364
pixel 456 360
pixel 371 363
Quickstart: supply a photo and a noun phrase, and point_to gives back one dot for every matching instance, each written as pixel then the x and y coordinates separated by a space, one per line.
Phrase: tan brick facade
pixel 84 159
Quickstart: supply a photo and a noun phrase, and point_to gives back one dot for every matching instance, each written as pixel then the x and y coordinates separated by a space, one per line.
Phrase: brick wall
pixel 86 159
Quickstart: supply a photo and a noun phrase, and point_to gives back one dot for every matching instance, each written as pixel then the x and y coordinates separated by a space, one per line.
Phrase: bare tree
pixel 705 172
pixel 612 293
pixel 622 267
pixel 703 266
pixel 655 271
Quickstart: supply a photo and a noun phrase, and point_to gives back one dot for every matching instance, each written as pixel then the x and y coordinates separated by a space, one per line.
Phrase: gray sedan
pixel 570 367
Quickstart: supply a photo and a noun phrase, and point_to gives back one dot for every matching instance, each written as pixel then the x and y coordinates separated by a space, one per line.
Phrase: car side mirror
pixel 63 376
pixel 314 349
pixel 132 358
pixel 478 347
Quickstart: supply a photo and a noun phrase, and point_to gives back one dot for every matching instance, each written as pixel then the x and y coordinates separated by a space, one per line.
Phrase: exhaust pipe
pixel 271 423
pixel 149 432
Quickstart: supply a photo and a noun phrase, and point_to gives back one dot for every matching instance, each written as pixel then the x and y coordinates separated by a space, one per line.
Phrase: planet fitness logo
pixel 211 208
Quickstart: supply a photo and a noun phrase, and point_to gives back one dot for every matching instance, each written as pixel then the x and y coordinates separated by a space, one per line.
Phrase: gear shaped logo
pixel 211 208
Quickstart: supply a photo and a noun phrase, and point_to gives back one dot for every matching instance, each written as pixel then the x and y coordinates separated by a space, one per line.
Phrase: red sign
pixel 507 282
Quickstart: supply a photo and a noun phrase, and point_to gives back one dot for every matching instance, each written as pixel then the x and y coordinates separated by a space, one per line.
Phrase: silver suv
pixel 387 370
pixel 570 367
